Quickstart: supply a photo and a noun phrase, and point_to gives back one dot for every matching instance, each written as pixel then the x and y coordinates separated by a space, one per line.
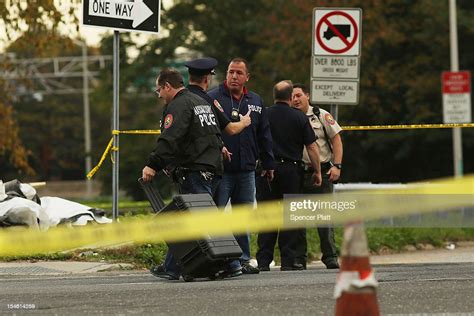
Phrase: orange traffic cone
pixel 355 285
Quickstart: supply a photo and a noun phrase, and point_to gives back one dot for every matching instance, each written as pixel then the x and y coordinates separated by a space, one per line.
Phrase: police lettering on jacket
pixel 221 118
pixel 205 114
pixel 190 136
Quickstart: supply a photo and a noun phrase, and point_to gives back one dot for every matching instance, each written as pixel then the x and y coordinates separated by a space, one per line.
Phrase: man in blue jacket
pixel 243 150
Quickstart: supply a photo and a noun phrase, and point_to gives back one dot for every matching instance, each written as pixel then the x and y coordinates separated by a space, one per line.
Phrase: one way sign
pixel 130 15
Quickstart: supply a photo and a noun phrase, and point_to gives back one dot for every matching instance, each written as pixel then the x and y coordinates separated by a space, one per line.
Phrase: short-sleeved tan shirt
pixel 332 129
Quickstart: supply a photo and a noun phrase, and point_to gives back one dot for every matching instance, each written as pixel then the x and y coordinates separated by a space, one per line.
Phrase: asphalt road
pixel 403 289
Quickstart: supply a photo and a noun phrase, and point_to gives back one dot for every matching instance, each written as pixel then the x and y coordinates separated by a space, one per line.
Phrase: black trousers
pixel 287 180
pixel 326 233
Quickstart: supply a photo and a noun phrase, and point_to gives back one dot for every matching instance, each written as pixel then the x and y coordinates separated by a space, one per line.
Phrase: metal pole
pixel 457 134
pixel 334 115
pixel 334 111
pixel 87 117
pixel 115 166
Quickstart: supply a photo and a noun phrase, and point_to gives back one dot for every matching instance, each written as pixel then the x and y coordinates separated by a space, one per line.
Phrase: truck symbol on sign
pixel 344 29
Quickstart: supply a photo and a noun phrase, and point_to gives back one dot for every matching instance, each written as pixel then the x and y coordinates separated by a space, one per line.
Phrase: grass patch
pixel 379 240
pixel 139 255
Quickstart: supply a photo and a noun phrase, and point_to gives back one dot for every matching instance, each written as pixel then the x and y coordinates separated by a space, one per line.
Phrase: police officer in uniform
pixel 291 133
pixel 200 72
pixel 189 145
pixel 330 149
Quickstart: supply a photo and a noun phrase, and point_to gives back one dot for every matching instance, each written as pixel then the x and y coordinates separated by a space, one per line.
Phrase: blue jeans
pixel 193 183
pixel 239 188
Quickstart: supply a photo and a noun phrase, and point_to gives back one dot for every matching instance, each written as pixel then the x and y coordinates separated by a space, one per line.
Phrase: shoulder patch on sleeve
pixel 168 121
pixel 218 106
pixel 328 117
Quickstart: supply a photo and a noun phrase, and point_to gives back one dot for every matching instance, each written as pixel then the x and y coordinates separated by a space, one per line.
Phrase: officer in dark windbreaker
pixel 243 150
pixel 189 145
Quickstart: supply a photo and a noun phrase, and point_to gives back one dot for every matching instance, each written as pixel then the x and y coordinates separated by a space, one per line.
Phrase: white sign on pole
pixel 333 67
pixel 334 92
pixel 337 31
pixel 335 62
pixel 127 15
pixel 130 15
pixel 456 97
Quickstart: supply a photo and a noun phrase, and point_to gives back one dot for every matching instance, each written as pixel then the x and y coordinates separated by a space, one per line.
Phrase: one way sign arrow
pixel 137 15
pixel 136 11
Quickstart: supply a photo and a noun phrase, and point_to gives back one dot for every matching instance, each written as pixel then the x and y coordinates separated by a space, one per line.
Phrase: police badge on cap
pixel 201 66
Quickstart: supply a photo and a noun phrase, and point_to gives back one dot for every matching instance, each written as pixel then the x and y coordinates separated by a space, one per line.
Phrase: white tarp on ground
pixel 58 210
pixel 23 211
pixel 51 212
pixel 3 196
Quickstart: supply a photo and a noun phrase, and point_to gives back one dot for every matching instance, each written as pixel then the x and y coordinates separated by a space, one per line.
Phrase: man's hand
pixel 316 177
pixel 334 174
pixel 245 119
pixel 226 154
pixel 148 173
pixel 268 174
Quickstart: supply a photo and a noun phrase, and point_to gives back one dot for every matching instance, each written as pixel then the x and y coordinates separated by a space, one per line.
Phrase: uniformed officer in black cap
pixel 201 66
pixel 201 71
pixel 190 143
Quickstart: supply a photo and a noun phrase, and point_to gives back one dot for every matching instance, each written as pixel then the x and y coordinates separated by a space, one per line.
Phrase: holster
pixel 177 174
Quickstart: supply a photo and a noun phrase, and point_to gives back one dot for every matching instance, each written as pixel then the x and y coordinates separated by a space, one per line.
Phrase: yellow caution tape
pixel 142 132
pixel 346 128
pixel 412 126
pixel 110 148
pixel 269 216
pixel 101 161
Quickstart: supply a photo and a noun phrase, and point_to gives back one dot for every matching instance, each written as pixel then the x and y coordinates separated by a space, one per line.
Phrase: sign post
pixel 335 61
pixel 458 164
pixel 456 97
pixel 127 15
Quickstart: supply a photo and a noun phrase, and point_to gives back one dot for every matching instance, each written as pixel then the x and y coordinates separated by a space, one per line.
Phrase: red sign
pixel 456 82
pixel 347 44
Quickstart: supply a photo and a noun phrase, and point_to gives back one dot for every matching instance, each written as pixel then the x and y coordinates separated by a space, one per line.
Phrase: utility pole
pixel 87 116
pixel 457 134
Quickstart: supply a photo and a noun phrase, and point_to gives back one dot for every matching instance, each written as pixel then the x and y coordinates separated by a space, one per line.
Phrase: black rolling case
pixel 204 258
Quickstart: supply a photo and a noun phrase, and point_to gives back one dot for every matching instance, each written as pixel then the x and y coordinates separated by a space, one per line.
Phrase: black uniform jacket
pixel 190 136
pixel 218 111
pixel 291 131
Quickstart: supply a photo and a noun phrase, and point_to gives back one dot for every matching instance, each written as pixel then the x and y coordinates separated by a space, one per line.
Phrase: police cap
pixel 201 66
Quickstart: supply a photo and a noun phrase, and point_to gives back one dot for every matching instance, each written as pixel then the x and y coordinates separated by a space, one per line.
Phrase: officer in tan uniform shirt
pixel 330 154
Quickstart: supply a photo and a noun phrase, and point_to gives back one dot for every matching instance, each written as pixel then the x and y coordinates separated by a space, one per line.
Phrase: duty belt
pixel 179 174
pixel 284 160
pixel 325 166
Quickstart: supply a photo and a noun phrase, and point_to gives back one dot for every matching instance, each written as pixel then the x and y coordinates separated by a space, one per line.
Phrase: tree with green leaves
pixel 13 155
pixel 27 20
pixel 405 47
